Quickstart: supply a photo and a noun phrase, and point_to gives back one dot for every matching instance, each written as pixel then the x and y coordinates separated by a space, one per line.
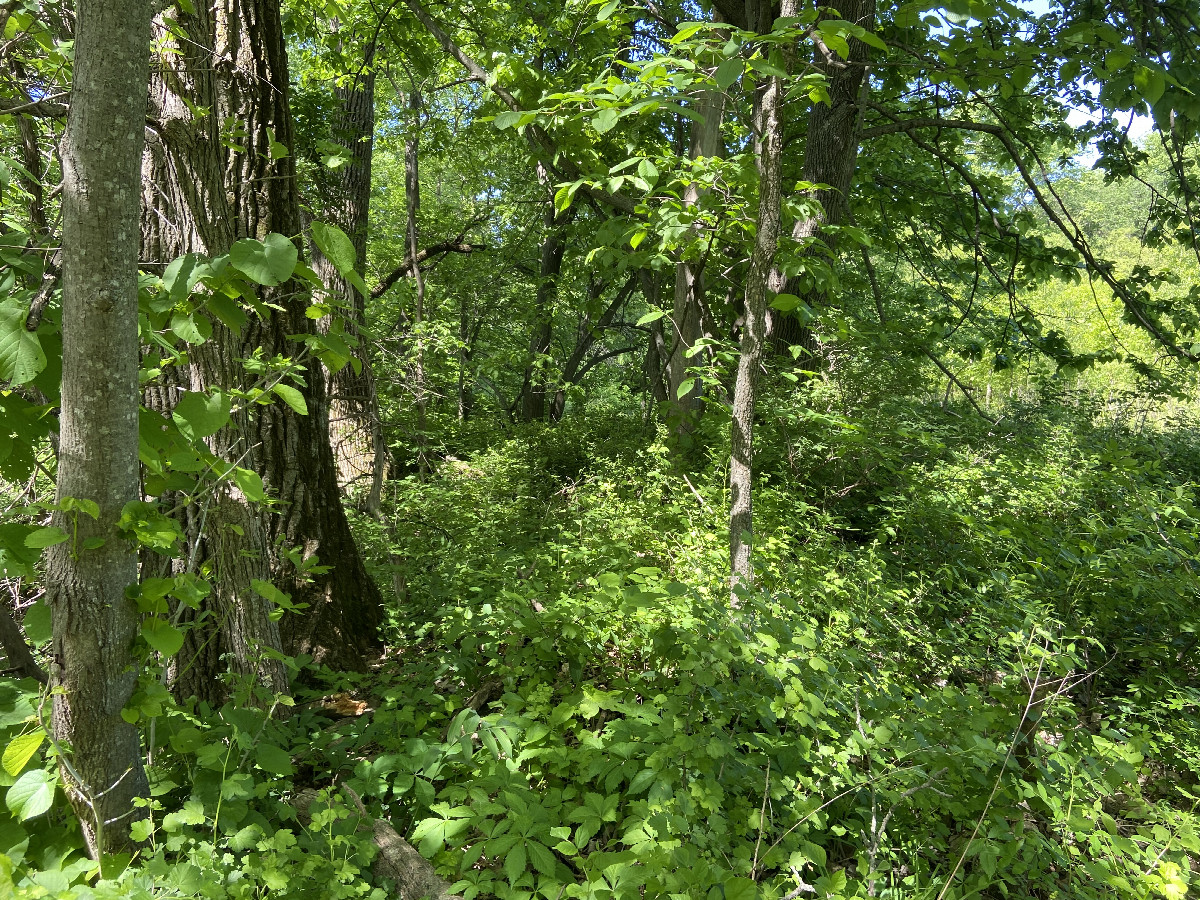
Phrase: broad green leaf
pixel 250 484
pixel 37 623
pixel 292 398
pixel 162 635
pixel 728 73
pixel 740 889
pixel 605 119
pixel 45 537
pixel 336 245
pixel 541 857
pixel 32 794
pixel 199 415
pixel 192 328
pixel 268 262
pixel 607 10
pixel 21 355
pixel 273 759
pixel 20 750
pixel 514 862
pixel 507 119
pixel 230 313
pixel 653 316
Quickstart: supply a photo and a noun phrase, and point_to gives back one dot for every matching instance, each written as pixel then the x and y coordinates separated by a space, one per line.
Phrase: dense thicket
pixel 607 450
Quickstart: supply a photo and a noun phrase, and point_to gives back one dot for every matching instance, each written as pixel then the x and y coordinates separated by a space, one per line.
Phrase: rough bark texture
pixel 340 625
pixel 689 309
pixel 830 156
pixel 94 622
pixel 185 210
pixel 204 190
pixel 769 140
pixel 355 431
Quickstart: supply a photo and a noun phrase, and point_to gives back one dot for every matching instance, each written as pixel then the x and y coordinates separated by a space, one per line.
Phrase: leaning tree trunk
pixel 769 139
pixel 355 430
pixel 344 608
pixel 830 156
pixel 95 622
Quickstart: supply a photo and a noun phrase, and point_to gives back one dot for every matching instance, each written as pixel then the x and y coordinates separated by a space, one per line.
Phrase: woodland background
pixel 614 449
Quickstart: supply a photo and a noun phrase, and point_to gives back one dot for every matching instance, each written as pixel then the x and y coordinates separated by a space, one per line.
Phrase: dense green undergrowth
pixel 968 668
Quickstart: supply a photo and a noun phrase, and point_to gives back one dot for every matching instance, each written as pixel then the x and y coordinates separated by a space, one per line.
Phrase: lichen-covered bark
pixel 95 623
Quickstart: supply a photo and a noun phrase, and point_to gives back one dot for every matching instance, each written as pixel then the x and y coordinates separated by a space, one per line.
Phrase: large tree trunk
pixel 185 210
pixel 689 310
pixel 830 156
pixel 95 623
pixel 203 193
pixel 344 608
pixel 769 140
pixel 355 430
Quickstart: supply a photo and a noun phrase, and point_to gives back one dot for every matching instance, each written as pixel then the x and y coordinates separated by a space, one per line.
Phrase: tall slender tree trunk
pixel 95 623
pixel 412 198
pixel 769 140
pixel 355 429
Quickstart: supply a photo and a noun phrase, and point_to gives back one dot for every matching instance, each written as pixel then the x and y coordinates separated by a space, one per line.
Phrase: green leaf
pixel 192 328
pixel 45 537
pixel 230 313
pixel 268 262
pixel 37 623
pixel 607 10
pixel 250 484
pixel 728 73
pixel 543 860
pixel 162 635
pixel 1151 84
pixel 653 316
pixel 273 759
pixel 199 415
pixel 605 119
pixel 20 750
pixel 514 862
pixel 21 355
pixel 32 794
pixel 740 889
pixel 141 830
pixel 336 245
pixel 292 398
pixel 507 119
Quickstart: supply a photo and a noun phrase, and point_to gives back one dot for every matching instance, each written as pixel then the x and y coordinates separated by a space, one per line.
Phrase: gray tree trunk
pixel 94 622
pixel 769 140
pixel 355 430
